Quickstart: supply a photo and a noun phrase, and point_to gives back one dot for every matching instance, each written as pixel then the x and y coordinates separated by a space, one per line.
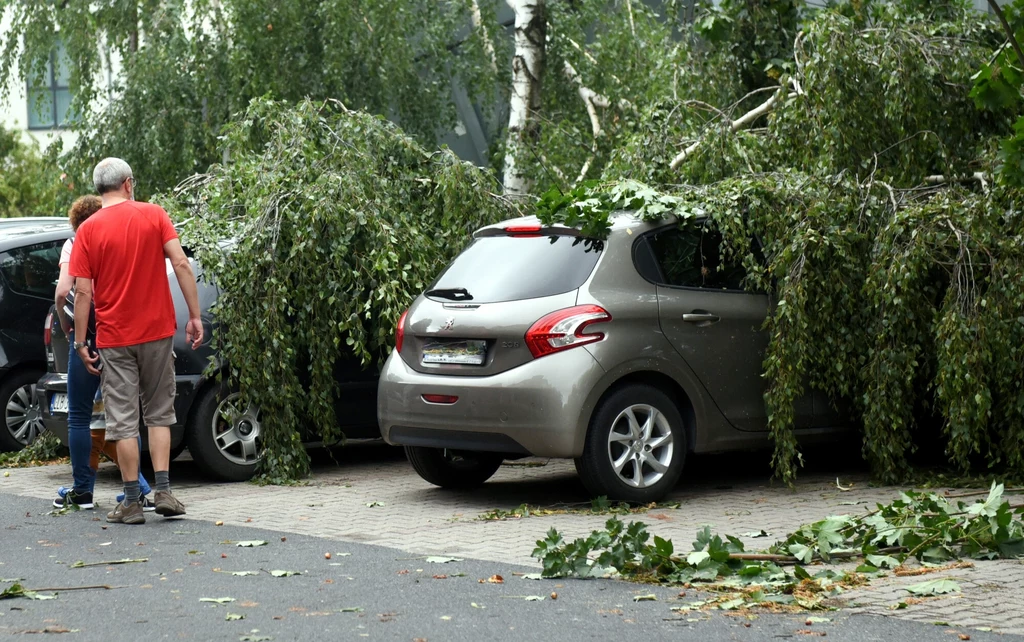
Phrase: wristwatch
pixel 78 345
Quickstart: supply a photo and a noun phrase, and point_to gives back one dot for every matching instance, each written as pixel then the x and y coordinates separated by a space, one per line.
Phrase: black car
pixel 223 439
pixel 29 267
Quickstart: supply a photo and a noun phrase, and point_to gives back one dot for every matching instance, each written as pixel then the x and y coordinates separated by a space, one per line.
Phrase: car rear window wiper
pixel 452 294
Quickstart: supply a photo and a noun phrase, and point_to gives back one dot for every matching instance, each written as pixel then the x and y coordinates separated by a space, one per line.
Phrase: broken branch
pixel 736 125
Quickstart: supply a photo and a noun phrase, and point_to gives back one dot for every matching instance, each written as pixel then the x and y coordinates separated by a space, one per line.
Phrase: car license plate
pixel 470 353
pixel 59 403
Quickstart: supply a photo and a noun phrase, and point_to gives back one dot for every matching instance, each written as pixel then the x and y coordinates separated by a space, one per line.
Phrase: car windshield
pixel 515 267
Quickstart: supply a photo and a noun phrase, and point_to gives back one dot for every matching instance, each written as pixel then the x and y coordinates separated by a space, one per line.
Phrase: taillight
pixel 564 329
pixel 523 230
pixel 47 334
pixel 440 399
pixel 400 332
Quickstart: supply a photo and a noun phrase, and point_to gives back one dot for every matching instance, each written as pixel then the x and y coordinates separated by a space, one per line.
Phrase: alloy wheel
pixel 640 446
pixel 236 431
pixel 23 415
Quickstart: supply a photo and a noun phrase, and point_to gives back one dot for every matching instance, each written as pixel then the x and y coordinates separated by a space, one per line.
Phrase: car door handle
pixel 701 317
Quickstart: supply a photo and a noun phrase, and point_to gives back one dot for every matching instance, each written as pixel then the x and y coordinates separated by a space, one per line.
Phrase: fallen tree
pixel 894 260
pixel 340 221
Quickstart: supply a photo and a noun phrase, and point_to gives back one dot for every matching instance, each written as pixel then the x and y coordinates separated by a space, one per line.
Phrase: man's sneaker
pixel 70 498
pixel 168 505
pixel 147 503
pixel 127 514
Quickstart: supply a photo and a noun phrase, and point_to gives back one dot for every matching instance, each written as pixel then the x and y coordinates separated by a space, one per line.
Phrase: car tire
pixel 22 420
pixel 454 469
pixel 222 448
pixel 635 447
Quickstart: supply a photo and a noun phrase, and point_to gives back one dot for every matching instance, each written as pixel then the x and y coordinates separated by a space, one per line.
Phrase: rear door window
pixel 511 268
pixel 692 257
pixel 32 270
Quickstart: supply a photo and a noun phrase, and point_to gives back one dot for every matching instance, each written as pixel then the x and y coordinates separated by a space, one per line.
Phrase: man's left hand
pixel 194 333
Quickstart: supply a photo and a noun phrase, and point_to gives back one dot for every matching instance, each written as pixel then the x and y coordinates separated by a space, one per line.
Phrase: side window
pixel 692 257
pixel 32 270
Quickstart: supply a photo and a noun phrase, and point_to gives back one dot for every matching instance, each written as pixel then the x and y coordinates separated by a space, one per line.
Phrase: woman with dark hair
pixel 84 442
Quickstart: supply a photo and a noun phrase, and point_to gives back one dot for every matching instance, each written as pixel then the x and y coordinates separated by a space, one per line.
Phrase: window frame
pixel 50 89
pixel 643 244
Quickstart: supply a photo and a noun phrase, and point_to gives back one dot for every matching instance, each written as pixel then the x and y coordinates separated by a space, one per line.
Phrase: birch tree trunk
pixel 527 72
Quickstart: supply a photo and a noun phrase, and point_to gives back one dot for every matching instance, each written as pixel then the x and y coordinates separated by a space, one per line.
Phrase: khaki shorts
pixel 131 374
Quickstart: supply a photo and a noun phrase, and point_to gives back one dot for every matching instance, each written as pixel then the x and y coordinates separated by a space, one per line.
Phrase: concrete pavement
pixel 371 495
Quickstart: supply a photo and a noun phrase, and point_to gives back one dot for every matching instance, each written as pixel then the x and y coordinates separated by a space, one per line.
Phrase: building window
pixel 49 98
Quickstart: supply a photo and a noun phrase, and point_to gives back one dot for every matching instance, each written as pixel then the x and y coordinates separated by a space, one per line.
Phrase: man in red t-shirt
pixel 118 261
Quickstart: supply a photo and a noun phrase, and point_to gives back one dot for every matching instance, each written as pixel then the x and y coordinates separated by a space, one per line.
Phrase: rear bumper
pixel 57 422
pixel 533 409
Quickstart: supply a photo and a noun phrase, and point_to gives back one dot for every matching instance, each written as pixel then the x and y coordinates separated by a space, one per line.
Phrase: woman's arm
pixel 64 283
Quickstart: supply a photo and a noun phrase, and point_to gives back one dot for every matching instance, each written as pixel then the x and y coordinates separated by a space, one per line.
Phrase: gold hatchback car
pixel 623 354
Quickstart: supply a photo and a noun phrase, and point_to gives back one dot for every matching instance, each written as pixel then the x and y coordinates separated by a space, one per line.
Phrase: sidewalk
pixel 374 497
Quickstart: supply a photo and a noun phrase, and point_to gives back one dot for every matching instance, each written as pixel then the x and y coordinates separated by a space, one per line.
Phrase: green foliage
pixel 598 506
pixel 926 527
pixel 189 68
pixel 338 221
pixel 28 187
pixel 893 288
pixel 997 89
pixel 45 448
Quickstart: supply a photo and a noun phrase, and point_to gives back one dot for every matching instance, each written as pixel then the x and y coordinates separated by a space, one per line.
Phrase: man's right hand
pixel 89 360
pixel 194 332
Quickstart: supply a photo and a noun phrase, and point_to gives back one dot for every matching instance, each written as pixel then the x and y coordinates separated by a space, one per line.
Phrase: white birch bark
pixel 527 72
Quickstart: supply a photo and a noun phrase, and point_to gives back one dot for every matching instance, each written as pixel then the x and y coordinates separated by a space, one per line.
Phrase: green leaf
pixel 696 557
pixel 650 597
pixel 882 561
pixel 934 587
pixel 732 604
pixel 802 552
pixel 230 617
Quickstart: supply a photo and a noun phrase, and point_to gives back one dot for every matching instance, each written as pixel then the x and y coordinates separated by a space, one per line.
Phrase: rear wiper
pixel 452 294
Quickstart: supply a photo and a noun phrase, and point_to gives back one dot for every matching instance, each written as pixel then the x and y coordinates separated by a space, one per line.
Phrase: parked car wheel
pixel 224 437
pixel 22 417
pixel 453 468
pixel 635 447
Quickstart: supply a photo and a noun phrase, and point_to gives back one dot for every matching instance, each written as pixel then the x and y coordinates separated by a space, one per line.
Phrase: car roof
pixel 620 222
pixel 17 232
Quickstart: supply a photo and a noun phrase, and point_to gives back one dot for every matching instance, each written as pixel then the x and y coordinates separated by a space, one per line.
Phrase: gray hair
pixel 109 174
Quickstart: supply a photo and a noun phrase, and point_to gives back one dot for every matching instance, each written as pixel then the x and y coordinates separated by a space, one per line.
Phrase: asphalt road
pixel 361 592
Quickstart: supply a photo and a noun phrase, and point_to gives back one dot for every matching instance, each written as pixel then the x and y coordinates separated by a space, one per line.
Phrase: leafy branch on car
pixel 927 527
pixel 339 218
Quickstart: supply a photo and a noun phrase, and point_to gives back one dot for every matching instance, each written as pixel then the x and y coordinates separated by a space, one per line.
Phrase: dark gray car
pixel 29 267
pixel 624 354
pixel 223 437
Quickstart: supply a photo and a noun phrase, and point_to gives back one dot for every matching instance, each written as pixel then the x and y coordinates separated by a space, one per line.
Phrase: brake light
pixel 47 333
pixel 523 230
pixel 442 399
pixel 564 329
pixel 400 332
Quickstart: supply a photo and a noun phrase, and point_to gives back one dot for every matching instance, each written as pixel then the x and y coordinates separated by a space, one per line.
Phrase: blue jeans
pixel 82 387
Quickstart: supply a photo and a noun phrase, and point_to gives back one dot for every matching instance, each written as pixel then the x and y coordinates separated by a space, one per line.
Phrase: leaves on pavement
pixel 217 600
pixel 435 559
pixel 939 586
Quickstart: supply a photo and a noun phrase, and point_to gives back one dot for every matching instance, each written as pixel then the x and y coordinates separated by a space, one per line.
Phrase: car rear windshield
pixel 511 268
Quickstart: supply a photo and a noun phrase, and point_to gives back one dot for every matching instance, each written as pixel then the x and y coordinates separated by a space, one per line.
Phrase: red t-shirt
pixel 121 248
